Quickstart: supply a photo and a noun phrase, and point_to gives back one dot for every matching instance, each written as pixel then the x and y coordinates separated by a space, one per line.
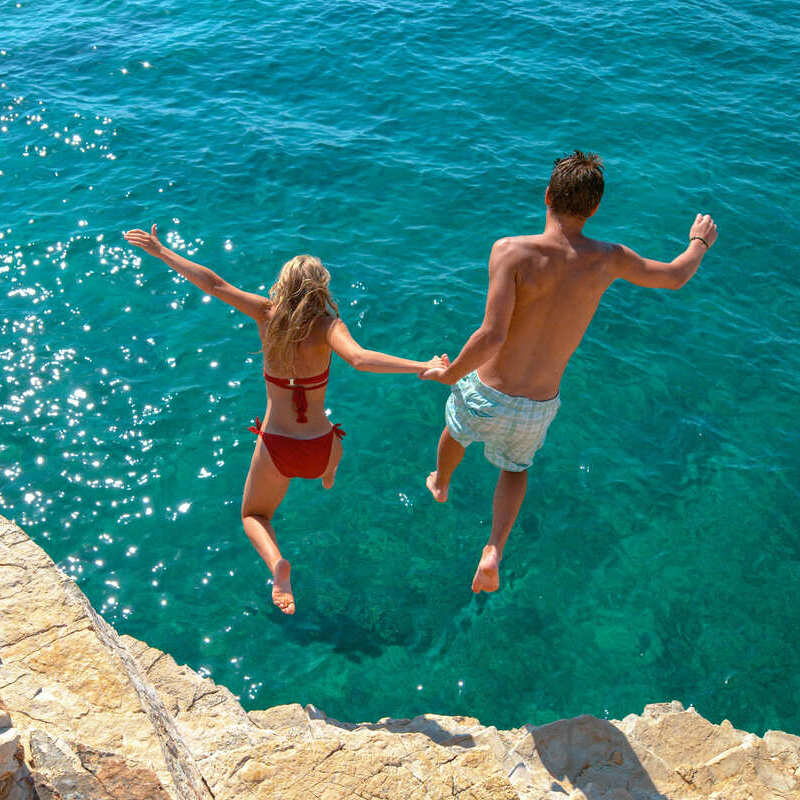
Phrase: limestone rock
pixel 86 774
pixel 667 753
pixel 64 672
pixel 290 721
pixel 103 717
pixel 15 781
pixel 288 752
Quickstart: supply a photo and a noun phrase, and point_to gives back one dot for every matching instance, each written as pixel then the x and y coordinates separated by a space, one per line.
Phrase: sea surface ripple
pixel 657 555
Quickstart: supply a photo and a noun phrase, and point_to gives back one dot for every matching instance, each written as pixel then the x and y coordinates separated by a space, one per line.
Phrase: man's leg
pixel 508 497
pixel 448 457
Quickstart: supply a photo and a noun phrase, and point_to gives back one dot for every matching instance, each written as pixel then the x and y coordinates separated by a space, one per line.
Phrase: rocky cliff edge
pixel 86 714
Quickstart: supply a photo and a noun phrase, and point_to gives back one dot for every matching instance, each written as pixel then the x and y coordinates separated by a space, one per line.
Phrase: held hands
pixel 434 369
pixel 704 230
pixel 147 241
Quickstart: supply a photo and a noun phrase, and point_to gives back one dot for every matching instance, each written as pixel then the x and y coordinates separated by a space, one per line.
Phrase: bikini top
pixel 299 386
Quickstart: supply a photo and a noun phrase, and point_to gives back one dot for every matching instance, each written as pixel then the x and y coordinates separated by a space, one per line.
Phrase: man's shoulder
pixel 518 249
pixel 536 256
pixel 607 252
pixel 521 242
pixel 601 246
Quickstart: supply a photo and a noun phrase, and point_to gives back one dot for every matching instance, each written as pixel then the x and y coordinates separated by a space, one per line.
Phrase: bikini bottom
pixel 299 458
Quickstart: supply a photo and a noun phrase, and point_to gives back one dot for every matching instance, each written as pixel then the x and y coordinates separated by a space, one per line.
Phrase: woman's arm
pixel 353 353
pixel 253 305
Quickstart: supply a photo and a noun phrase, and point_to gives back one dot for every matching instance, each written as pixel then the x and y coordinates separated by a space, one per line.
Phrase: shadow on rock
pixel 594 756
pixel 445 731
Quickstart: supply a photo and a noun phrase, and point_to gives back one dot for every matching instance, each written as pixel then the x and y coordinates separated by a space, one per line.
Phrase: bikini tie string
pixel 300 403
pixel 337 428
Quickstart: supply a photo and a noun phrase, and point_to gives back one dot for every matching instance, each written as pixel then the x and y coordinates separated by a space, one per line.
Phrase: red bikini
pixel 299 458
pixel 298 387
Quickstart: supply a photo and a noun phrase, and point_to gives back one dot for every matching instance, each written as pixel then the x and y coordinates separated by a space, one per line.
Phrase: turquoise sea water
pixel 657 554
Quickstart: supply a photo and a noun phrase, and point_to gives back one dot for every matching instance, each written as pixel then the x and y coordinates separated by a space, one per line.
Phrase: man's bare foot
pixel 487 576
pixel 282 587
pixel 439 494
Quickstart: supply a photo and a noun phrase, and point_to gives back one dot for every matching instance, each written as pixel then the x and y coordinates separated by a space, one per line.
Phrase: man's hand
pixel 147 241
pixel 435 368
pixel 704 230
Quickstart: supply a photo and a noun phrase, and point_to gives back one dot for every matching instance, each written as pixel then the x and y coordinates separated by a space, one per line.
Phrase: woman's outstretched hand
pixel 147 241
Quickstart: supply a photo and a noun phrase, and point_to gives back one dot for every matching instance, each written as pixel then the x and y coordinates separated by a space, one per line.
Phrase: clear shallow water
pixel 657 554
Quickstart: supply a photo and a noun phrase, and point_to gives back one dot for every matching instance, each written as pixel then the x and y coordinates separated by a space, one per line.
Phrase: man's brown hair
pixel 576 184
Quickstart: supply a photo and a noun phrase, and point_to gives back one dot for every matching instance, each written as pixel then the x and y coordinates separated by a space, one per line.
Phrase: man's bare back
pixel 558 285
pixel 543 292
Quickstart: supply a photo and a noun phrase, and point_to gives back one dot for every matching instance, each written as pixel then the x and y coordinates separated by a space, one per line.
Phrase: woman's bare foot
pixel 282 587
pixel 487 576
pixel 439 493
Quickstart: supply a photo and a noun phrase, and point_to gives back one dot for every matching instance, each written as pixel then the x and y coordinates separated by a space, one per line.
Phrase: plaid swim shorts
pixel 511 428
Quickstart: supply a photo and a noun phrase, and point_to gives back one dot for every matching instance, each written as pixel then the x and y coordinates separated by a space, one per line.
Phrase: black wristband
pixel 692 238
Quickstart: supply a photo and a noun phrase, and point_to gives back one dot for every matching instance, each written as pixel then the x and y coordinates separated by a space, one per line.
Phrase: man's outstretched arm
pixel 632 267
pixel 489 337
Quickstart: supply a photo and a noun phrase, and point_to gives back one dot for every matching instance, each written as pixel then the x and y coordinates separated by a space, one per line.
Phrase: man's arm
pixel 488 339
pixel 254 305
pixel 632 267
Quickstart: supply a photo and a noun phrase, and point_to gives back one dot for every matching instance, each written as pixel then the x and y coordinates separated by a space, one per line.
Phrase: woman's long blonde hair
pixel 299 297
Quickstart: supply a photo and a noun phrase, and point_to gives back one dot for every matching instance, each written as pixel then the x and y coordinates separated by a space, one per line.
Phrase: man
pixel 543 292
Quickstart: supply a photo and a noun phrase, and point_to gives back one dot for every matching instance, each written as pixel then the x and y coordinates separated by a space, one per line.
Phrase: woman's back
pixel 297 392
pixel 297 353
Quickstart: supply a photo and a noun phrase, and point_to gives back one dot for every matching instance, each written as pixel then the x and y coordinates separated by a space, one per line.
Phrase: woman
pixel 299 326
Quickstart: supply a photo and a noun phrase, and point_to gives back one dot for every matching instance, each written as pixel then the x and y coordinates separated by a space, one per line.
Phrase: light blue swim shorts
pixel 511 428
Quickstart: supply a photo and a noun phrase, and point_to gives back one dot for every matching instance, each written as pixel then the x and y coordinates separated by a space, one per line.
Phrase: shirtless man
pixel 543 292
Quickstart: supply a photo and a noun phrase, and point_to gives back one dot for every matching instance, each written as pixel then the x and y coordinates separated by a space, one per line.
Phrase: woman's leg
pixel 333 463
pixel 264 489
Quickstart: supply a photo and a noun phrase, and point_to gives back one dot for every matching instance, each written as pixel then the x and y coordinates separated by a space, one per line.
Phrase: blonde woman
pixel 299 326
